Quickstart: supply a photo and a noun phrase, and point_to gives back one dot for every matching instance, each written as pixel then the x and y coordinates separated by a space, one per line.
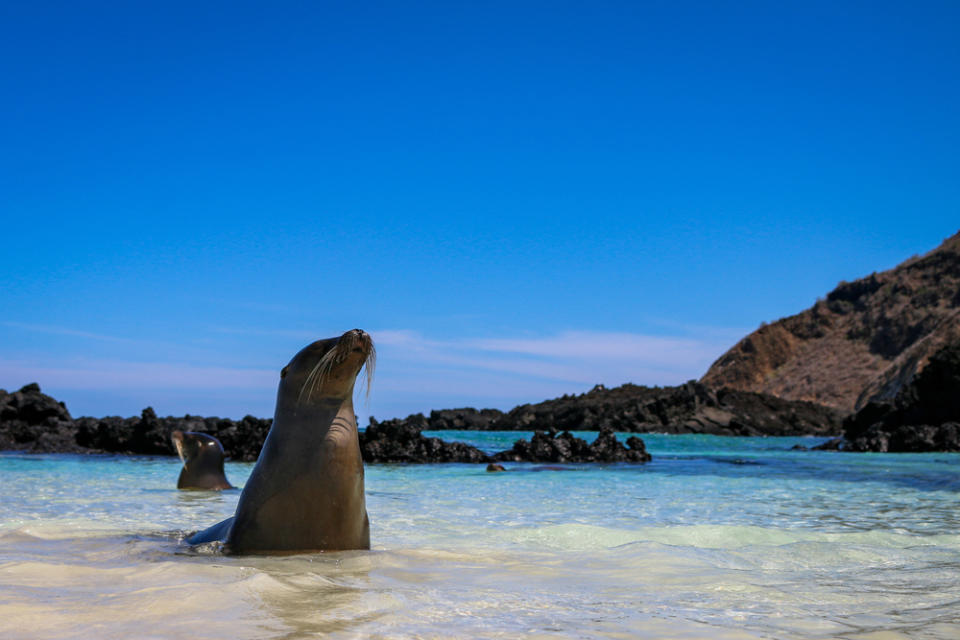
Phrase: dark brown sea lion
pixel 202 457
pixel 306 491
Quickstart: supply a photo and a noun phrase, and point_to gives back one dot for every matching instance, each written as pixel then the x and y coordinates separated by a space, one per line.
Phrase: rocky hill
pixel 863 342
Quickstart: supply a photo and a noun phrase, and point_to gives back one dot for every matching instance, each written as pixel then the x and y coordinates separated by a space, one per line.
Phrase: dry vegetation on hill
pixel 864 341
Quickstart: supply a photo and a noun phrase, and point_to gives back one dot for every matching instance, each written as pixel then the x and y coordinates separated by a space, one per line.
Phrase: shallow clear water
pixel 716 538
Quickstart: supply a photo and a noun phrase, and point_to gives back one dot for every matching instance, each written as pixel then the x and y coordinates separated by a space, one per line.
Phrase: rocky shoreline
pixel 923 416
pixel 31 421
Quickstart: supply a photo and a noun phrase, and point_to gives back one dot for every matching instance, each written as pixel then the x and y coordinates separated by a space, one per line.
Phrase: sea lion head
pixel 328 369
pixel 202 457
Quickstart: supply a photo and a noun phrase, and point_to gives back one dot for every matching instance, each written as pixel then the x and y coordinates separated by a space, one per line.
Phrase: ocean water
pixel 716 538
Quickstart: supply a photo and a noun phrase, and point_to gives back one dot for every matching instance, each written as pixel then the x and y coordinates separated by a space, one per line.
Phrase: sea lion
pixel 306 491
pixel 202 457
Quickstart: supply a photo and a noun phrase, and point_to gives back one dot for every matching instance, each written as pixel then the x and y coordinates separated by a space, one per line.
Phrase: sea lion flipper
pixel 216 533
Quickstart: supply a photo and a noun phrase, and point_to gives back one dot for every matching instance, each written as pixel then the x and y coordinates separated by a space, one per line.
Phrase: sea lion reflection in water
pixel 202 458
pixel 306 491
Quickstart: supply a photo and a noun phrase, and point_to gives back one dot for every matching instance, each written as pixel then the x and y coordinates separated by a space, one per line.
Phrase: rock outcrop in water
pixel 565 447
pixel 864 342
pixel 400 441
pixel 924 416
pixel 30 420
pixel 687 408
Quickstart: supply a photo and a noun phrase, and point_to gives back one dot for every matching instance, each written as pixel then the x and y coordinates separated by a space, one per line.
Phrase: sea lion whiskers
pixel 319 372
pixel 326 363
pixel 352 341
pixel 369 365
pixel 347 344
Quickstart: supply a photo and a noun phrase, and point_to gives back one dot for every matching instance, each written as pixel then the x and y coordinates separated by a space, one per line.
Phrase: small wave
pixel 585 537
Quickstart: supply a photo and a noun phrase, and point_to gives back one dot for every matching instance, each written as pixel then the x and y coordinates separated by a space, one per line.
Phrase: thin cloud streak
pixel 114 374
pixel 65 331
pixel 598 346
pixel 574 355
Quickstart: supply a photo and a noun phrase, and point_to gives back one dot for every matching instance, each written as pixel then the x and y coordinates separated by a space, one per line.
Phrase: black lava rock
pixel 33 421
pixel 924 415
pixel 30 420
pixel 401 441
pixel 565 447
pixel 687 408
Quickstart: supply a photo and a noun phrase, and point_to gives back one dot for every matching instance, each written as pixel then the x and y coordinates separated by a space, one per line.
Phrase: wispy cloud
pixel 574 356
pixel 65 331
pixel 597 346
pixel 118 374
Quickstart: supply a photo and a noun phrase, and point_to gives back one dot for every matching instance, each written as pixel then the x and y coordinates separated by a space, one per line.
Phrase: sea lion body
pixel 202 457
pixel 306 492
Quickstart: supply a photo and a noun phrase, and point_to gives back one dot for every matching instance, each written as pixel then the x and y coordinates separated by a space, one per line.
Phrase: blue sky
pixel 518 200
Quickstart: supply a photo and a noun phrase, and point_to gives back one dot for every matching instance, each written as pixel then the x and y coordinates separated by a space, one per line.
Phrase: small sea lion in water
pixel 202 457
pixel 306 491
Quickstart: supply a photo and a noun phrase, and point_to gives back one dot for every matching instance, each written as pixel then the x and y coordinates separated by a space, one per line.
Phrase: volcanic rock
pixel 30 420
pixel 924 416
pixel 687 408
pixel 401 441
pixel 565 447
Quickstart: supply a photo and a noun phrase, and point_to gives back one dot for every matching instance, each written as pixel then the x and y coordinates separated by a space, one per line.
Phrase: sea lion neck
pixel 314 420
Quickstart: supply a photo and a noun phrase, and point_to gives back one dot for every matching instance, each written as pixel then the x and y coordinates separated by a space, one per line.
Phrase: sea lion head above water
pixel 306 492
pixel 327 369
pixel 202 457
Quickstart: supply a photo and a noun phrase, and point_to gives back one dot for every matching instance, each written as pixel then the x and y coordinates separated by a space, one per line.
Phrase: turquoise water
pixel 716 538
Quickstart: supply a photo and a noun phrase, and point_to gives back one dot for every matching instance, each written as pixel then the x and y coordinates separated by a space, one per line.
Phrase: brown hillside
pixel 864 341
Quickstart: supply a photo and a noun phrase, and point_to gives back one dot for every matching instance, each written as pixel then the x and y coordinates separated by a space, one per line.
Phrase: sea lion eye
pixel 283 372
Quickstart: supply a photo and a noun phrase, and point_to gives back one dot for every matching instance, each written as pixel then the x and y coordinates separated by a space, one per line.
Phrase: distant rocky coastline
pixel 687 408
